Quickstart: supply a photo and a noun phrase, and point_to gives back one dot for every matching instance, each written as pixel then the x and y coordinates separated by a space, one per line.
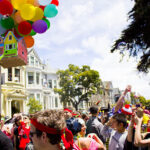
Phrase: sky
pixel 82 34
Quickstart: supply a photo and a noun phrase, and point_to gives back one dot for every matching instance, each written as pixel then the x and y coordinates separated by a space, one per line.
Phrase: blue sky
pixel 82 34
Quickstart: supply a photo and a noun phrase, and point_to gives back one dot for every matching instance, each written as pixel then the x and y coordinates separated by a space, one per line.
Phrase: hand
pixel 138 120
pixel 128 89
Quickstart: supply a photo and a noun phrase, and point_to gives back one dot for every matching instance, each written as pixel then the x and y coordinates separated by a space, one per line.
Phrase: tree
pixel 135 39
pixel 78 84
pixel 34 105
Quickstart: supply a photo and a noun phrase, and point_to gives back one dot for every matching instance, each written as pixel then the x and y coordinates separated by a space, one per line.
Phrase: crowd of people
pixel 124 127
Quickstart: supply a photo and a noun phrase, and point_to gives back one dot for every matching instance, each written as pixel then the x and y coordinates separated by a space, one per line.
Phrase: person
pixel 24 131
pixel 93 125
pixel 91 142
pixel 48 131
pixel 68 111
pixel 5 142
pixel 16 134
pixel 117 136
pixel 142 140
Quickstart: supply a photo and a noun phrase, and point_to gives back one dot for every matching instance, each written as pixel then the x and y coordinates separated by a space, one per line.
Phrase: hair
pixel 17 119
pixel 121 118
pixel 53 119
pixel 94 109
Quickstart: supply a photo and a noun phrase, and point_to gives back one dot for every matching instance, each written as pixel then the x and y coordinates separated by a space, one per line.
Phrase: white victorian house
pixel 41 81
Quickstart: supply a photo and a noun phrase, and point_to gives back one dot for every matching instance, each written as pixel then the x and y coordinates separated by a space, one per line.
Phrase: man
pixel 48 129
pixel 93 125
pixel 117 136
pixel 5 142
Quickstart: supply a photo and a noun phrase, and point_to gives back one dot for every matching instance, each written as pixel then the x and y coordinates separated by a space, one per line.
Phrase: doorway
pixel 15 106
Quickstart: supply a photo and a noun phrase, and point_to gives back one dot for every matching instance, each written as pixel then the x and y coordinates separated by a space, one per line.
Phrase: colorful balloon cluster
pixel 26 17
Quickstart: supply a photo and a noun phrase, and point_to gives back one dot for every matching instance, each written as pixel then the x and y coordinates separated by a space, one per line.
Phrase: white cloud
pixel 73 51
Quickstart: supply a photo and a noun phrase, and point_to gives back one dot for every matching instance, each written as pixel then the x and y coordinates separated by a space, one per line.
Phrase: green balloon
pixel 50 11
pixel 32 33
pixel 7 23
pixel 47 22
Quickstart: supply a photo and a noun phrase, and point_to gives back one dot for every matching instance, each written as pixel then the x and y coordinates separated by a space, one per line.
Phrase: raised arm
pixel 120 102
pixel 138 141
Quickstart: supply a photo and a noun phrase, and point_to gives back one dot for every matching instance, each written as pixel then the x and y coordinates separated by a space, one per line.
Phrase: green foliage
pixel 34 105
pixel 78 84
pixel 136 35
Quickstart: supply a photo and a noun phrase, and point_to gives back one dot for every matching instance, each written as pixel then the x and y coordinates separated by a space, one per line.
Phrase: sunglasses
pixel 32 133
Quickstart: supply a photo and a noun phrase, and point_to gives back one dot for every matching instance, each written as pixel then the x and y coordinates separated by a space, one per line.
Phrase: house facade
pixel 13 92
pixel 41 81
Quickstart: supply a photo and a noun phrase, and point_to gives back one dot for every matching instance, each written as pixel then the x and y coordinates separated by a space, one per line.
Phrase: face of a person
pixel 83 130
pixel 25 119
pixel 67 115
pixel 36 140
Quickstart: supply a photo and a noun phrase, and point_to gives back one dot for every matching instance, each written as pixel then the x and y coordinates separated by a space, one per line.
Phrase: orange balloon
pixel 29 41
pixel 17 17
pixel 33 2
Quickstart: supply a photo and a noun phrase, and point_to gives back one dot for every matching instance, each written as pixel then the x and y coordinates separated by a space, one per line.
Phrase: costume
pixel 24 136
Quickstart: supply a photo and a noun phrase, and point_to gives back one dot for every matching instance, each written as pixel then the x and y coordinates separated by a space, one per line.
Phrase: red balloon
pixel 55 2
pixel 24 27
pixel 42 7
pixel 6 7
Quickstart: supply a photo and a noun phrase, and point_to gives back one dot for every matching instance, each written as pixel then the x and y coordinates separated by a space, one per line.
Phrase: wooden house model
pixel 1 45
pixel 15 51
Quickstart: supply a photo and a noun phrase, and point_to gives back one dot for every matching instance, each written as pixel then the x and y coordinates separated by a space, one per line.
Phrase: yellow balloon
pixel 38 14
pixel 27 11
pixel 18 3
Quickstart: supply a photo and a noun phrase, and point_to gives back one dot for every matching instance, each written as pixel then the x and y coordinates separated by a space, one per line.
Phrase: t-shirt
pixel 5 142
pixel 117 140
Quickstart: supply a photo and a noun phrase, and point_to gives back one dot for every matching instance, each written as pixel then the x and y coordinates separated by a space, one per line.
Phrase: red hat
pixel 127 110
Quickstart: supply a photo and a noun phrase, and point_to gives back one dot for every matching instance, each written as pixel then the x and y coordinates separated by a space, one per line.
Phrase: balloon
pixel 39 26
pixel 42 7
pixel 18 3
pixel 2 29
pixel 32 33
pixel 24 27
pixel 50 11
pixel 38 14
pixel 55 2
pixel 7 23
pixel 6 7
pixel 27 11
pixel 44 2
pixel 33 2
pixel 47 21
pixel 17 17
pixel 29 41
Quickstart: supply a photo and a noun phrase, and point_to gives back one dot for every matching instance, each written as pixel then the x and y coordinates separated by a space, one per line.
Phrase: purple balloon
pixel 39 26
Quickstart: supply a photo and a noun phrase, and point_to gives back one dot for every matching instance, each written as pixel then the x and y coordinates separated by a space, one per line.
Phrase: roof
pixel 12 34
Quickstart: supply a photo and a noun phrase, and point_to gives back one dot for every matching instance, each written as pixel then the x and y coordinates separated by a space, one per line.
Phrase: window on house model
pixel 9 74
pixel 37 78
pixel 10 37
pixel 17 75
pixel 10 46
pixel 30 78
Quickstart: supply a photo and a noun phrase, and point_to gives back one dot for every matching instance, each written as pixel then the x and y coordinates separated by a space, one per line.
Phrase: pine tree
pixel 136 37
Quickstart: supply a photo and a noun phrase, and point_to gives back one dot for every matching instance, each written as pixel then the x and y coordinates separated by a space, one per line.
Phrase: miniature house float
pixel 13 51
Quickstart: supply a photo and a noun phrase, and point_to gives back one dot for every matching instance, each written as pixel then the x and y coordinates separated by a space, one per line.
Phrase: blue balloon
pixel 2 30
pixel 50 11
pixel 44 2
